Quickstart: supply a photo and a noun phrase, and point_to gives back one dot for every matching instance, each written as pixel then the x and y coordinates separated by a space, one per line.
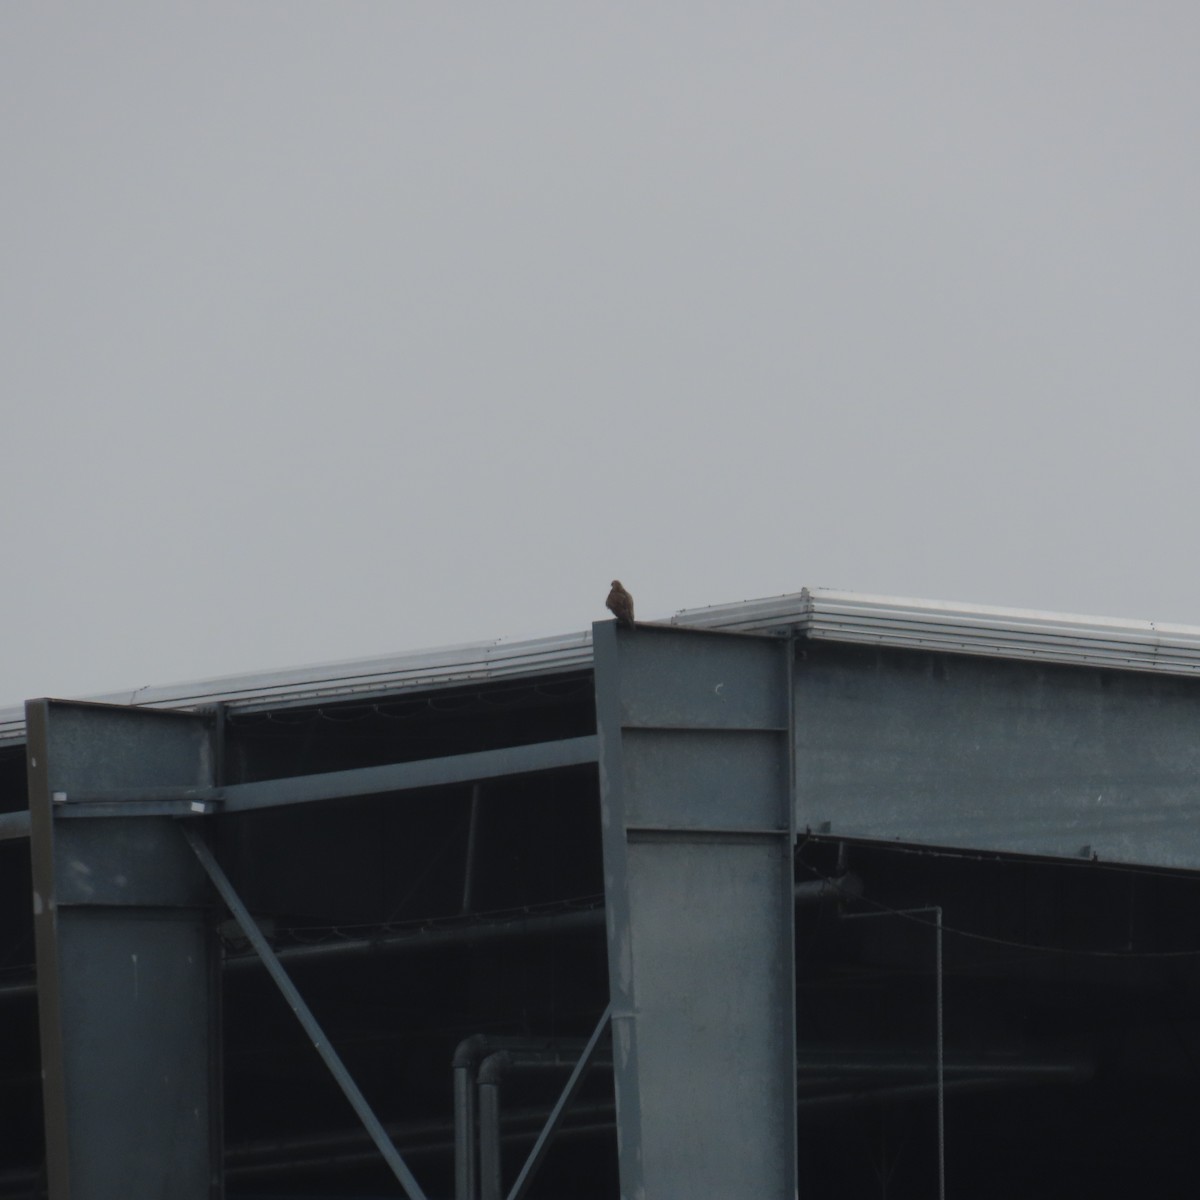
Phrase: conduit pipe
pixel 467 1057
pixel 815 891
pixel 1063 1073
pixel 491 1071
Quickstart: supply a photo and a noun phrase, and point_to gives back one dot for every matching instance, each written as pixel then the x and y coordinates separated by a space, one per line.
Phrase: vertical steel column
pixel 125 982
pixel 695 763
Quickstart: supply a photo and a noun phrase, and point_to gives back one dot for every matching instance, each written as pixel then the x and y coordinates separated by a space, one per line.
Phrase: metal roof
pixel 838 616
pixel 820 613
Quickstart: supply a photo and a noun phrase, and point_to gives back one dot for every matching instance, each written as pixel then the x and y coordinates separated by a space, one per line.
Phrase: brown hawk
pixel 620 604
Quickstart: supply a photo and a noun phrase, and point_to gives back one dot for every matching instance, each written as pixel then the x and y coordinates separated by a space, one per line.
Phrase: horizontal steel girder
pixel 329 785
pixel 14 825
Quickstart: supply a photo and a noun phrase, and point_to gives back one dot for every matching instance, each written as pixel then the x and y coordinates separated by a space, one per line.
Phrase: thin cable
pixel 1010 943
pixel 940 1038
pixel 999 857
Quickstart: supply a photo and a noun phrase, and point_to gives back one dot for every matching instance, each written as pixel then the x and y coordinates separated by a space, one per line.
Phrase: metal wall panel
pixel 947 750
pixel 126 985
pixel 697 844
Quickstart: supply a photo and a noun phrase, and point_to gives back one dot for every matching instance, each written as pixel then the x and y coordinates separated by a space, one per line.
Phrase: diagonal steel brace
pixel 330 1056
pixel 556 1113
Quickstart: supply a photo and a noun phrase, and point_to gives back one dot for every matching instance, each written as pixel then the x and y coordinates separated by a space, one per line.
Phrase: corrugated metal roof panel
pixel 822 613
pixel 1005 632
pixel 447 666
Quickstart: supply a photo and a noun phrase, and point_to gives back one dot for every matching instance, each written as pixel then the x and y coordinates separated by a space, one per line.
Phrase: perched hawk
pixel 620 604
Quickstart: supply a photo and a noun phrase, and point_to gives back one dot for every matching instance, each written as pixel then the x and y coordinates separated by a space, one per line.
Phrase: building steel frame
pixel 718 749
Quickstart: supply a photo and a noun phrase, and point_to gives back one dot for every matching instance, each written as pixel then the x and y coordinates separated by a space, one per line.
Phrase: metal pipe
pixel 412 1136
pixel 427 939
pixel 467 1056
pixel 813 891
pixel 575 920
pixel 841 1063
pixel 464 1132
pixel 915 1091
pixel 491 1070
pixel 26 987
pixel 535 925
pixel 490 1158
pixel 810 892
pixel 280 1156
pixel 14 824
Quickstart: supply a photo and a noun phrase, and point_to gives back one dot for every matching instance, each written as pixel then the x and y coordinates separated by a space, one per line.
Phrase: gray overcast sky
pixel 334 330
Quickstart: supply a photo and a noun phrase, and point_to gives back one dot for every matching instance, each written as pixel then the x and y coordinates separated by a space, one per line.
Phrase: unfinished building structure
pixel 823 894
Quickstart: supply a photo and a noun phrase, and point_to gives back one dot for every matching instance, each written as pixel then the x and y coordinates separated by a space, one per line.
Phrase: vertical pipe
pixel 464 1134
pixel 490 1182
pixel 468 1055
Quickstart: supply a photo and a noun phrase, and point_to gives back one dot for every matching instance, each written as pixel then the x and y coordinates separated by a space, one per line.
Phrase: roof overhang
pixel 820 613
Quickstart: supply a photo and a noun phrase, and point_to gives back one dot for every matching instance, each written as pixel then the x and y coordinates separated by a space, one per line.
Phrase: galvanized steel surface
pixel 819 613
pixel 698 877
pixel 1008 756
pixel 124 971
pixel 372 677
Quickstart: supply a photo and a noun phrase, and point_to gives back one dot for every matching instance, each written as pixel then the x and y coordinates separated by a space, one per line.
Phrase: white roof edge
pixel 821 613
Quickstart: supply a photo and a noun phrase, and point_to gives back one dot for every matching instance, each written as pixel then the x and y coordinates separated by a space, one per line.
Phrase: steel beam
pixel 472 848
pixel 696 783
pixel 554 1120
pixel 93 801
pixel 304 1015
pixel 1005 756
pixel 15 825
pixel 424 773
pixel 127 1001
pixel 494 929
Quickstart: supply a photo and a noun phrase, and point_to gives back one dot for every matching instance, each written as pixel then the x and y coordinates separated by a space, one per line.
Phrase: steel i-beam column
pixel 126 986
pixel 695 766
